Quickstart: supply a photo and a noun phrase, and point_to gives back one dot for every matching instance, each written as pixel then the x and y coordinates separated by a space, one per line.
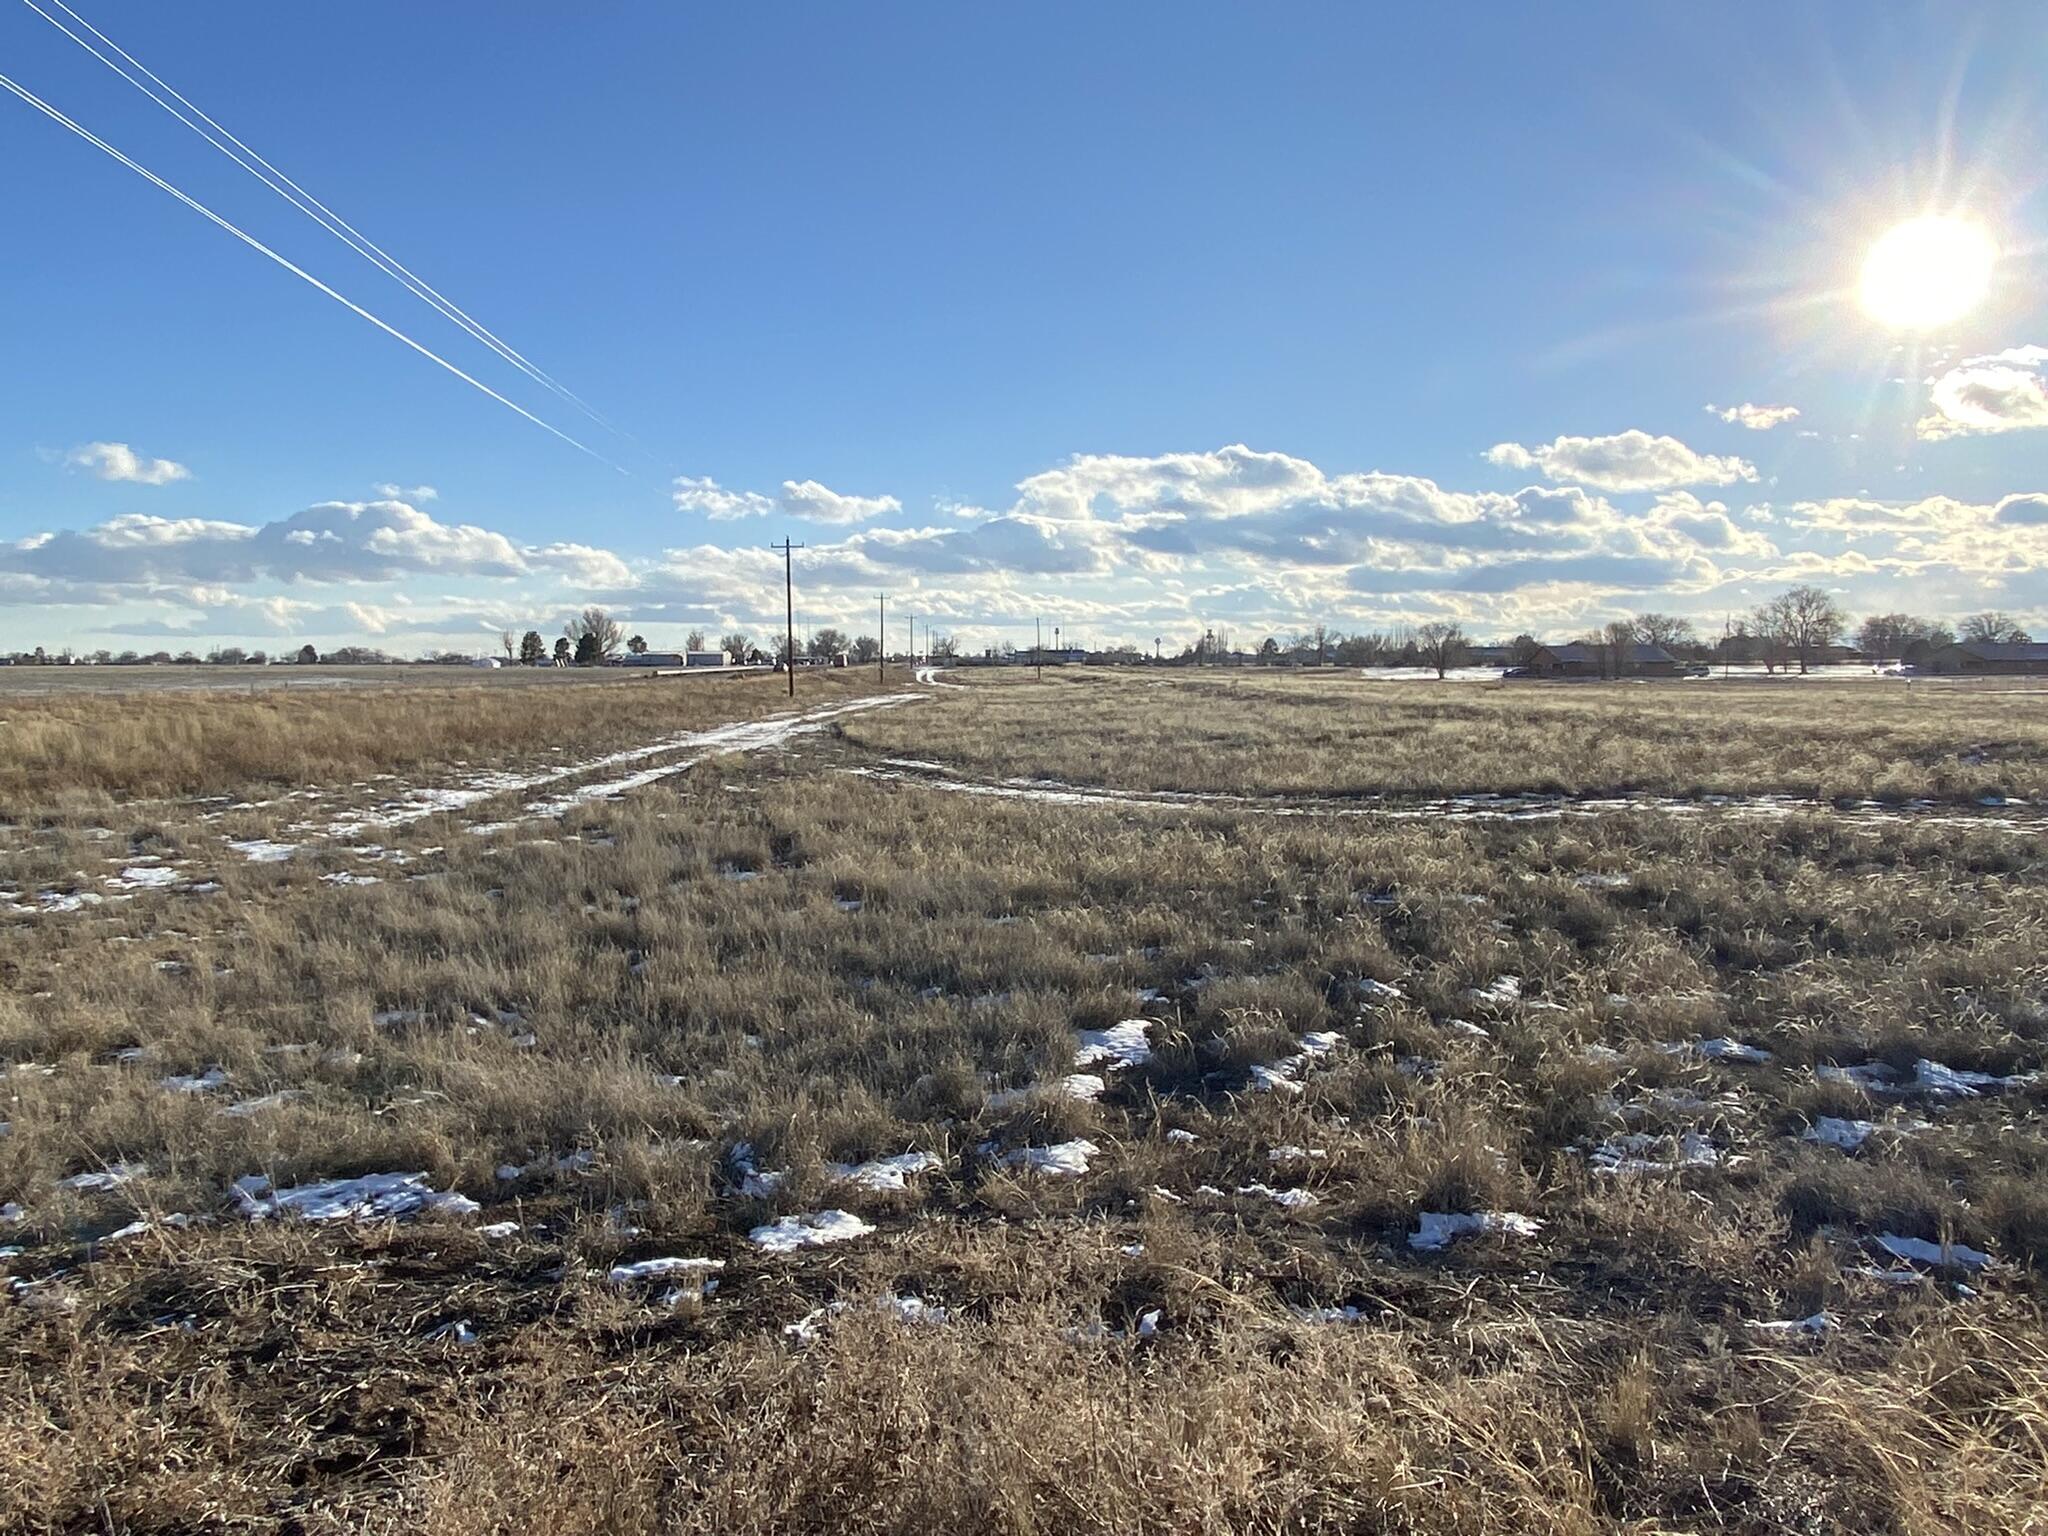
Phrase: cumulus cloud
pixel 712 500
pixel 800 498
pixel 1626 461
pixel 117 461
pixel 411 493
pixel 1122 546
pixel 808 499
pixel 1758 418
pixel 2001 392
pixel 335 541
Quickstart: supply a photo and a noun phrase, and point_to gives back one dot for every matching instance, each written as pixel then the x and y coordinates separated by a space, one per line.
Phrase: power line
pixel 292 267
pixel 256 165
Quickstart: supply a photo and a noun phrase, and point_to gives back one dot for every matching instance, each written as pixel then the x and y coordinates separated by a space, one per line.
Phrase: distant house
pixel 704 659
pixel 1991 657
pixel 1579 659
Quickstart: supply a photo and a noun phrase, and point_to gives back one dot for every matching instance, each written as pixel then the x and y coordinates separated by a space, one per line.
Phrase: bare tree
pixel 599 629
pixel 507 642
pixel 1442 645
pixel 866 648
pixel 1803 621
pixel 1995 628
pixel 827 643
pixel 1618 648
pixel 1665 629
pixel 695 641
pixel 736 645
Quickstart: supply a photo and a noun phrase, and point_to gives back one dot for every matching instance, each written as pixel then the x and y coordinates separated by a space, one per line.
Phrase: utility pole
pixel 1037 643
pixel 882 647
pixel 789 608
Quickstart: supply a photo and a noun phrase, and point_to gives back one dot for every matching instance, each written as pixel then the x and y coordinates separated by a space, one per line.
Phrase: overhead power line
pixel 292 267
pixel 178 105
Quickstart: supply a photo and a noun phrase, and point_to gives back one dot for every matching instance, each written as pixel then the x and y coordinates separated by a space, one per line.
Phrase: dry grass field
pixel 819 1127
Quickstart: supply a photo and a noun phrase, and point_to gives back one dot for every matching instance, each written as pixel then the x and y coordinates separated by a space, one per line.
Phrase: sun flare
pixel 1927 272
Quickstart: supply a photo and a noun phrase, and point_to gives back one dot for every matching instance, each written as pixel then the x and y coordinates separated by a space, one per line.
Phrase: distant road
pixel 19 681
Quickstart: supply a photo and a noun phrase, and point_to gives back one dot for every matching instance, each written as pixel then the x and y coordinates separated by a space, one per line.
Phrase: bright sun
pixel 1927 272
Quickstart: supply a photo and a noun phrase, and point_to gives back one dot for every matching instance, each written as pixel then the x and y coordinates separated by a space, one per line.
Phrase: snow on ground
pixel 1066 1157
pixel 1121 1045
pixel 884 1174
pixel 1437 1230
pixel 1638 1152
pixel 372 1197
pixel 1717 1050
pixel 1280 1076
pixel 814 1230
pixel 1917 1250
pixel 647 1270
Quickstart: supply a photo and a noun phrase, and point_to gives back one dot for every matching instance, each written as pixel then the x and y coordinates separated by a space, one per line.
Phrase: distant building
pixel 1579 659
pixel 705 659
pixel 649 659
pixel 1991 658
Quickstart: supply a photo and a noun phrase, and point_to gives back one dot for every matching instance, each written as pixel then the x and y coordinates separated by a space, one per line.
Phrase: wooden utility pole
pixel 1038 647
pixel 882 647
pixel 789 608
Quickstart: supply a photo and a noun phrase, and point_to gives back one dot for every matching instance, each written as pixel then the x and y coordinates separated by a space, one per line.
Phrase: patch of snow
pixel 1376 991
pixel 1184 1137
pixel 1439 1229
pixel 1501 992
pixel 113 1176
pixel 203 1082
pixel 1067 1158
pixel 1938 1081
pixel 1328 1315
pixel 1717 1049
pixel 647 1270
pixel 884 1174
pixel 497 1231
pixel 1121 1045
pixel 145 877
pixel 1633 1154
pixel 348 877
pixel 1917 1250
pixel 814 1230
pixel 372 1197
pixel 1289 1199
pixel 261 850
pixel 1819 1323
pixel 458 1332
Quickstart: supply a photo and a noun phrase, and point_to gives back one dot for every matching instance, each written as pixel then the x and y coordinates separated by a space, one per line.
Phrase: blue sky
pixel 1147 317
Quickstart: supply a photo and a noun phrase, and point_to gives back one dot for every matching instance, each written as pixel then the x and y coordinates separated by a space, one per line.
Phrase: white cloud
pixel 1758 418
pixel 708 497
pixel 808 499
pixel 1118 547
pixel 412 493
pixel 335 541
pixel 800 498
pixel 117 461
pixel 2002 392
pixel 1626 461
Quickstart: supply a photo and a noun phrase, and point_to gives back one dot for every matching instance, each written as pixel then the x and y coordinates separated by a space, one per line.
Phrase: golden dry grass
pixel 1346 734
pixel 1603 1375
